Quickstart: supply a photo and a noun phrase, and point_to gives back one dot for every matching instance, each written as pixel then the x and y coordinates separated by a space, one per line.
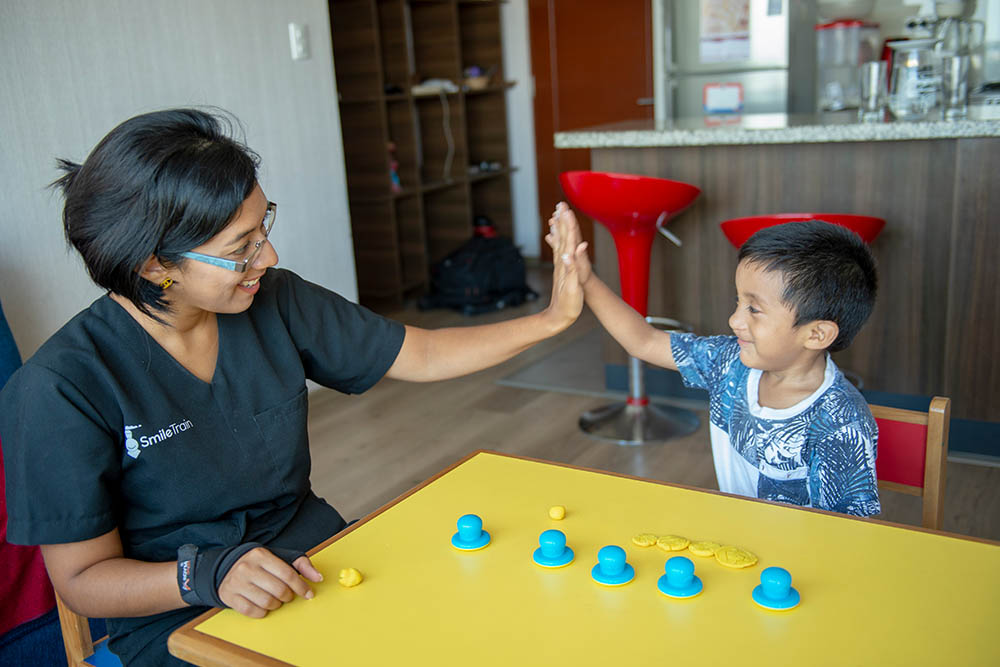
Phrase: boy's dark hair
pixel 159 184
pixel 828 271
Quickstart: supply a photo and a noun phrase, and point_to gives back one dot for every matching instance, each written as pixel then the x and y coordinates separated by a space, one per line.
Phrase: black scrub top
pixel 102 428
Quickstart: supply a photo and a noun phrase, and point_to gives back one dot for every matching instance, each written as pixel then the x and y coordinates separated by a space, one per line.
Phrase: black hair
pixel 158 184
pixel 828 271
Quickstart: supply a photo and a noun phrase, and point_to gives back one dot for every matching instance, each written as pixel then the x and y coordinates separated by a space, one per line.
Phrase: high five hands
pixel 567 291
pixel 568 250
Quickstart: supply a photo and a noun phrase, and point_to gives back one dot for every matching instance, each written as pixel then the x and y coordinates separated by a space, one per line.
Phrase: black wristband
pixel 200 573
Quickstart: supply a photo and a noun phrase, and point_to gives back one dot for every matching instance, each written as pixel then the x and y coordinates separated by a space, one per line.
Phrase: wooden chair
pixel 913 452
pixel 81 650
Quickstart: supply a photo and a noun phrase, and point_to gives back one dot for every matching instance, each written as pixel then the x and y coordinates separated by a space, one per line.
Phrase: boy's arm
pixel 842 470
pixel 628 327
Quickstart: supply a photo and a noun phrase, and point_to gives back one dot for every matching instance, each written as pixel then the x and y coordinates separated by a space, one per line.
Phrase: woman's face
pixel 202 286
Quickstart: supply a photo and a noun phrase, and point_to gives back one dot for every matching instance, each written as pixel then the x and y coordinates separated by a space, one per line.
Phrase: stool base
pixel 626 424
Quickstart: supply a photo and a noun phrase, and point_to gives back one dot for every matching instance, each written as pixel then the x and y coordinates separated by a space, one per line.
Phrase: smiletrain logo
pixel 134 447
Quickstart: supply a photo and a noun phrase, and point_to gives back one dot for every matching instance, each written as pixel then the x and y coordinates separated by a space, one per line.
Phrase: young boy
pixel 785 423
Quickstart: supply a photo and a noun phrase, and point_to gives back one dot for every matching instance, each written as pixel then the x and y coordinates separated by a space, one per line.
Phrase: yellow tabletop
pixel 872 593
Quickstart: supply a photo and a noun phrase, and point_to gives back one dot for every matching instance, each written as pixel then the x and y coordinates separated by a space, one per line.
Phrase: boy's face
pixel 765 327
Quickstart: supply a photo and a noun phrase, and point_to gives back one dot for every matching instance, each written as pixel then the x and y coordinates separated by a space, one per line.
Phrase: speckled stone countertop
pixel 753 129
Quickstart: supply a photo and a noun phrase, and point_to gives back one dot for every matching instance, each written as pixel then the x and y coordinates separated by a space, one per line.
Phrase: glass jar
pixel 915 82
pixel 840 47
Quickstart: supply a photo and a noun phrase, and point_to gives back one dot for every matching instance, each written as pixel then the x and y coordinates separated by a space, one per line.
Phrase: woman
pixel 156 446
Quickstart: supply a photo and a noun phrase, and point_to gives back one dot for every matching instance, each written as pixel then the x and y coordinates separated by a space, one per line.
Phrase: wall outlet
pixel 298 40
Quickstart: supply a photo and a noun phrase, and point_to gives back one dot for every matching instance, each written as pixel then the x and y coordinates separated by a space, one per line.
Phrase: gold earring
pixel 167 282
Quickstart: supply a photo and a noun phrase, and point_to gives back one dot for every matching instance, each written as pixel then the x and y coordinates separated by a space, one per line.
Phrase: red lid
pixel 845 23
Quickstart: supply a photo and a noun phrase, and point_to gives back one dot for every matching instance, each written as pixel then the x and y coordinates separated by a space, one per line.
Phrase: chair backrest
pixel 81 651
pixel 913 452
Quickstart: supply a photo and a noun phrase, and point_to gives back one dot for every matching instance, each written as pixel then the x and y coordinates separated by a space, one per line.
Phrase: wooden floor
pixel 368 449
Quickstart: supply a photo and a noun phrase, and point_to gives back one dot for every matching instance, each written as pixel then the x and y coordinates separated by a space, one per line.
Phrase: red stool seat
pixel 632 208
pixel 738 230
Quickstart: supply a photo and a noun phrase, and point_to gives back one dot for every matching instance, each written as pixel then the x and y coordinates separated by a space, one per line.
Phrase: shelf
pixel 435 95
pixel 399 235
pixel 432 186
pixel 492 88
pixel 407 97
pixel 486 175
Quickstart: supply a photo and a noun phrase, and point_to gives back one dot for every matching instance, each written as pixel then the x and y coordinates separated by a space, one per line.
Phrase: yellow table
pixel 872 593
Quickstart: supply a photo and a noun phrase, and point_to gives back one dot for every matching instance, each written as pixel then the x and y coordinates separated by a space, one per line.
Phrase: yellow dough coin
pixel 704 548
pixel 350 577
pixel 731 556
pixel 557 512
pixel 673 543
pixel 644 540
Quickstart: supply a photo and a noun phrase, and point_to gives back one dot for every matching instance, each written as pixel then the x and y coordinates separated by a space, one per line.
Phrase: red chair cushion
pixel 902 452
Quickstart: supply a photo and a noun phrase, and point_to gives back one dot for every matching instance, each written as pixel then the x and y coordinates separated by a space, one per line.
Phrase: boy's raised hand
pixel 565 240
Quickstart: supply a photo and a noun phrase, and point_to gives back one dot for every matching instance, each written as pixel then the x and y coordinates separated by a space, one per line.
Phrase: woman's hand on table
pixel 260 582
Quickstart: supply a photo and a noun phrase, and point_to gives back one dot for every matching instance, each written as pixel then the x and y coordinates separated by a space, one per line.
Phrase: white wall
pixel 891 15
pixel 71 70
pixel 521 126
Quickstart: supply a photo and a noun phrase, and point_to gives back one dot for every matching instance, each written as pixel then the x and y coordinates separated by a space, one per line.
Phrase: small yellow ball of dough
pixel 350 577
pixel 557 512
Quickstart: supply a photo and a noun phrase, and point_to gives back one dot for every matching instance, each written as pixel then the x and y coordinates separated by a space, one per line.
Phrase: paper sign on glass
pixel 725 31
pixel 722 97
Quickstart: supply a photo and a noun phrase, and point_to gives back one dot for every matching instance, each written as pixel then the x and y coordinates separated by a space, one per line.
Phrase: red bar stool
pixel 738 230
pixel 633 208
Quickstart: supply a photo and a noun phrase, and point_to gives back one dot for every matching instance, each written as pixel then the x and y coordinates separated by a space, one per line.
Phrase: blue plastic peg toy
pixel 612 569
pixel 552 550
pixel 679 580
pixel 775 590
pixel 470 535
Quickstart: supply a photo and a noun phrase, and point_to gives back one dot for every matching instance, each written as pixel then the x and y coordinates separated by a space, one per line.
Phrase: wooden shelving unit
pixel 382 48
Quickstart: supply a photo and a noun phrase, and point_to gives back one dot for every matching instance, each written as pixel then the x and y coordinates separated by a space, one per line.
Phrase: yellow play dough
pixel 644 540
pixel 557 512
pixel 704 548
pixel 731 556
pixel 350 577
pixel 673 543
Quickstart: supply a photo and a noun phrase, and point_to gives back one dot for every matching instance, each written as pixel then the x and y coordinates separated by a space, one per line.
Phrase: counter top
pixel 779 128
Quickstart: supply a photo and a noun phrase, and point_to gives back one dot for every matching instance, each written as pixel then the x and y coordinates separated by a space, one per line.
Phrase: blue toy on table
pixel 470 535
pixel 775 591
pixel 612 568
pixel 679 580
pixel 552 550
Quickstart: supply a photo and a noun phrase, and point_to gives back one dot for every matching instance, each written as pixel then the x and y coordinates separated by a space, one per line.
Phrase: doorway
pixel 592 61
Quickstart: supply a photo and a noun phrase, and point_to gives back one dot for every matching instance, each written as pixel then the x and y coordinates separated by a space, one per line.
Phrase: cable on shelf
pixel 446 123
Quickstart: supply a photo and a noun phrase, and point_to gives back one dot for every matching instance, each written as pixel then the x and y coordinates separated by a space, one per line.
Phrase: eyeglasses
pixel 241 265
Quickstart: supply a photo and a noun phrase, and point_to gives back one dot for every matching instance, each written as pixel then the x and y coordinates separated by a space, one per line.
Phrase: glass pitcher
pixel 915 82
pixel 959 36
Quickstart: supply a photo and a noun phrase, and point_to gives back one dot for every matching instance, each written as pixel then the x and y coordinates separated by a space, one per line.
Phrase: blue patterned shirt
pixel 818 453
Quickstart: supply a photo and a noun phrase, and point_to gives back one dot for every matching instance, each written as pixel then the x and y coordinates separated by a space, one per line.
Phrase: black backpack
pixel 485 274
